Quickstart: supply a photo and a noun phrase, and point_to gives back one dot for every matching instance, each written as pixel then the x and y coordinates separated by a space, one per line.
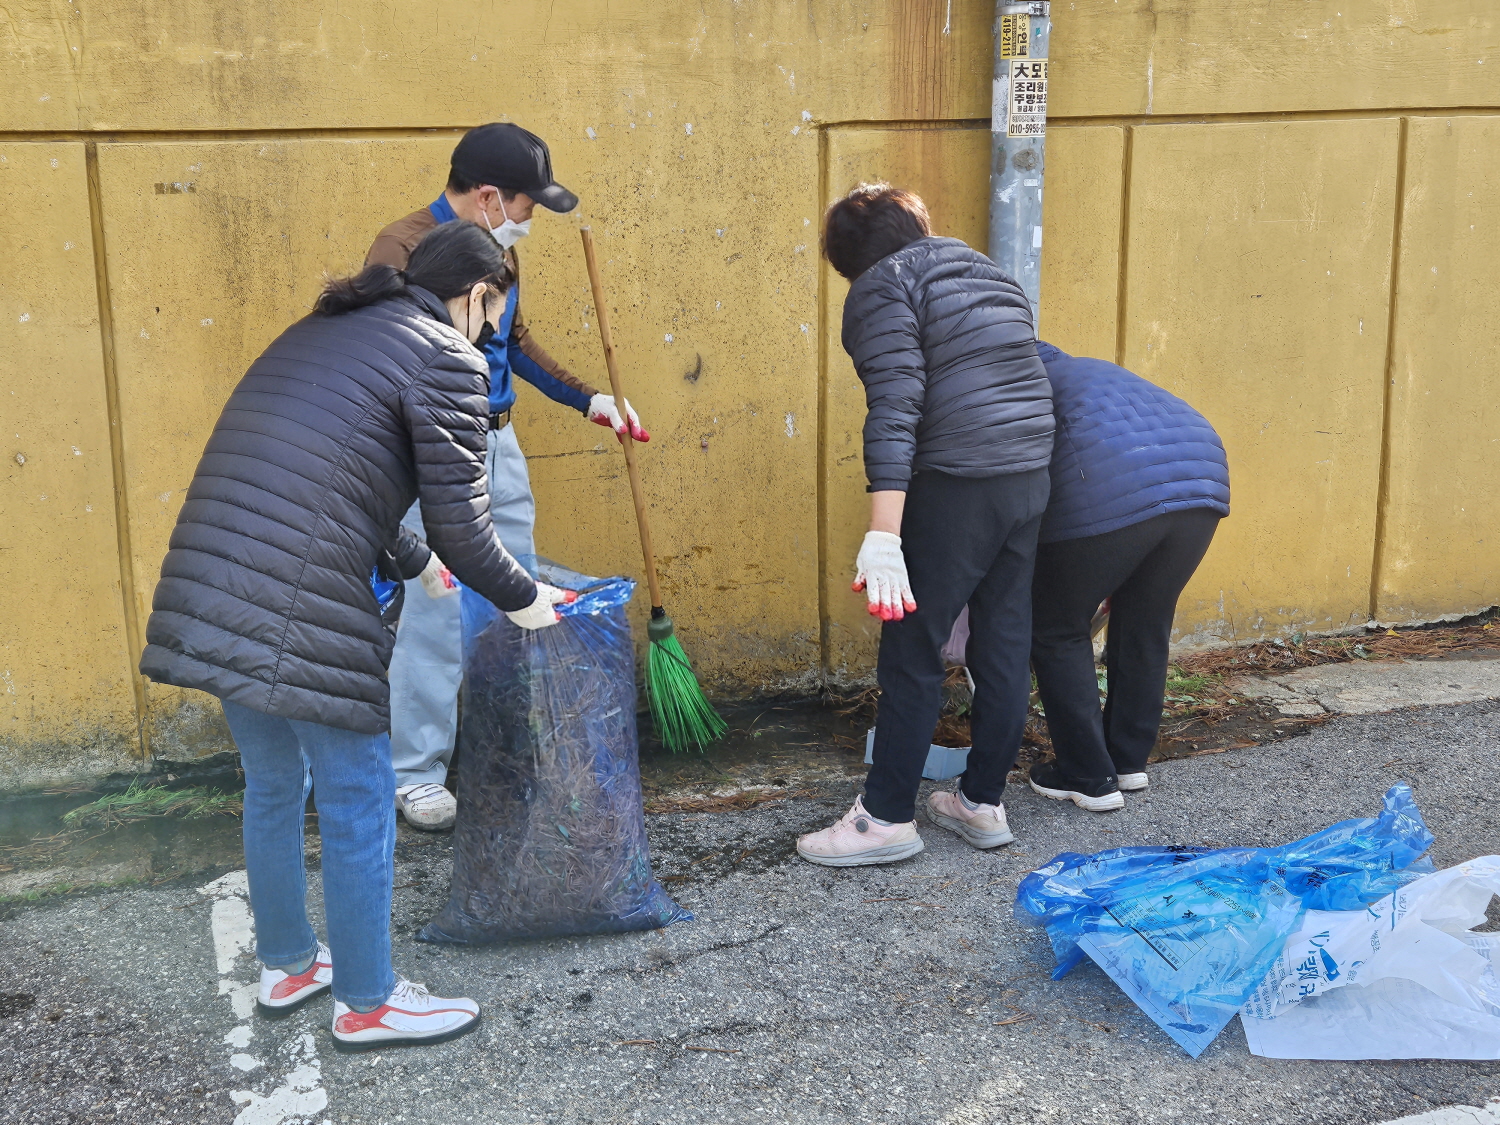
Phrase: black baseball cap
pixel 507 156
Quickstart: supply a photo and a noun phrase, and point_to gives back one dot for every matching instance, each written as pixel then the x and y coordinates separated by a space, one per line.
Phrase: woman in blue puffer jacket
pixel 1139 484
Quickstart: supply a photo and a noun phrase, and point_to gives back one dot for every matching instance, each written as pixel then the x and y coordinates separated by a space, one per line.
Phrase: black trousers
pixel 967 541
pixel 1142 570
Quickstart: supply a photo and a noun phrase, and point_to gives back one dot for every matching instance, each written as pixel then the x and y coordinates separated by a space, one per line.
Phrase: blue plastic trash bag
pixel 550 838
pixel 1188 933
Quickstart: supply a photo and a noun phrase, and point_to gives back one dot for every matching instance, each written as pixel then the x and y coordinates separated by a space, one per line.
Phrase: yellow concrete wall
pixel 1439 551
pixel 1257 288
pixel 66 701
pixel 1234 194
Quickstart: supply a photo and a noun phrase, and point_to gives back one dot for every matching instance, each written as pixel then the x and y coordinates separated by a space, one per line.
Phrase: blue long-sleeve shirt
pixel 504 353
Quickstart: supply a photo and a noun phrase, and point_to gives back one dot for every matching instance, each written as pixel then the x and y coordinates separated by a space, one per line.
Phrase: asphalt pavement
pixel 799 994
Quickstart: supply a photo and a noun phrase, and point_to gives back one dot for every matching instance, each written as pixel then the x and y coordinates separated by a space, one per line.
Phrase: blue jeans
pixel 427 664
pixel 354 789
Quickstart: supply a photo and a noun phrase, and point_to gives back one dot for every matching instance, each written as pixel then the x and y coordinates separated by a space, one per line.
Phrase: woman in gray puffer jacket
pixel 957 440
pixel 266 600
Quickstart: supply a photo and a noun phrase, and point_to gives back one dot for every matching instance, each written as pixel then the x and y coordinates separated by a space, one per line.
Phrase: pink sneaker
pixel 982 826
pixel 282 994
pixel 410 1016
pixel 858 838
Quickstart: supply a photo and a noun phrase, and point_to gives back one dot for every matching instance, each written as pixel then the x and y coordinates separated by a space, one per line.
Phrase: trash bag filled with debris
pixel 550 838
pixel 1188 933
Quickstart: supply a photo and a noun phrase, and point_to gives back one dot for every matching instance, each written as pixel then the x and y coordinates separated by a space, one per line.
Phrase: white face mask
pixel 507 234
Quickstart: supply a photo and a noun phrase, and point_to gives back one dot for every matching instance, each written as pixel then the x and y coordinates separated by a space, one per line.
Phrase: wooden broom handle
pixel 618 391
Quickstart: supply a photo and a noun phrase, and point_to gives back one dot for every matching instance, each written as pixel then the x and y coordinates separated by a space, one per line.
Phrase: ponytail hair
pixel 448 262
pixel 371 284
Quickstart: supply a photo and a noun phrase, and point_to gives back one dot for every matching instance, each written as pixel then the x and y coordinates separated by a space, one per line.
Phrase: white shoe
pixel 1132 782
pixel 982 826
pixel 857 839
pixel 410 1016
pixel 427 806
pixel 1048 779
pixel 281 994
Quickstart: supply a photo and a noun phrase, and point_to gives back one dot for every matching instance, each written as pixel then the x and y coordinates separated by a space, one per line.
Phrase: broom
pixel 682 716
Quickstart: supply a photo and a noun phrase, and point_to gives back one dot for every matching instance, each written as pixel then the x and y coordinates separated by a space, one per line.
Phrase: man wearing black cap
pixel 500 172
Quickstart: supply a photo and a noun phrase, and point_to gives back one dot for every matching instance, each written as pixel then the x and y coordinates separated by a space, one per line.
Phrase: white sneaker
pixel 857 839
pixel 410 1016
pixel 980 826
pixel 281 994
pixel 427 806
pixel 1048 779
pixel 1132 782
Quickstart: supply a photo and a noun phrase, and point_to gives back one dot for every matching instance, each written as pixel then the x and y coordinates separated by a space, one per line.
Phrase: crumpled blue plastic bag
pixel 551 836
pixel 1188 933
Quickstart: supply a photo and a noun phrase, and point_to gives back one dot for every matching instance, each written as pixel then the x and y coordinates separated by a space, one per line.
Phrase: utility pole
pixel 1018 137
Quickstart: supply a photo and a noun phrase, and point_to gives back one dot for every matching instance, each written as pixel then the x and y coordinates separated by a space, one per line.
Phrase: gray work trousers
pixel 427 664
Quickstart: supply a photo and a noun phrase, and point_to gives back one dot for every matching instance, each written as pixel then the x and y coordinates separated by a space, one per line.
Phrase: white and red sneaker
pixel 410 1016
pixel 281 993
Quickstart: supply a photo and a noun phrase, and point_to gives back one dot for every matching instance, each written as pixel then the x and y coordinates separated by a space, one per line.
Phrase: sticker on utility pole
pixel 1028 98
pixel 1015 37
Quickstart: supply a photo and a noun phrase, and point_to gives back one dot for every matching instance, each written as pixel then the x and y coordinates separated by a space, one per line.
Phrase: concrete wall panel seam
pixel 133 628
pixel 292 132
pixel 1383 495
pixel 204 136
pixel 1054 121
pixel 1384 113
pixel 1122 295
pixel 824 327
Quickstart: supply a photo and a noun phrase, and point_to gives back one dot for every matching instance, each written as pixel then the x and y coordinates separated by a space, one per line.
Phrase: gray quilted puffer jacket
pixel 944 343
pixel 265 595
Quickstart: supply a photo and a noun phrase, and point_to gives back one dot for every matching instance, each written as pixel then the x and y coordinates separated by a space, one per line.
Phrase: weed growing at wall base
pixel 141 802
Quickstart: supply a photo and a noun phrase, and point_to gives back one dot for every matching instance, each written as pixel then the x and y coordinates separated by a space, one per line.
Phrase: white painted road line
pixel 300 1097
pixel 1489 1114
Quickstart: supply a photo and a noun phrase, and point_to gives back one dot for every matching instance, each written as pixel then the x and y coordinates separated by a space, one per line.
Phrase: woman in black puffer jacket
pixel 267 599
pixel 957 441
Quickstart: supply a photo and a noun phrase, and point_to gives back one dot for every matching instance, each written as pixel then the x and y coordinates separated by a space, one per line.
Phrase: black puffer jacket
pixel 265 594
pixel 944 343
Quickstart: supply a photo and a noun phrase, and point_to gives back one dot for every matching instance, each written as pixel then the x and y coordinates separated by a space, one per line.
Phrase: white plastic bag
pixel 956 651
pixel 1405 978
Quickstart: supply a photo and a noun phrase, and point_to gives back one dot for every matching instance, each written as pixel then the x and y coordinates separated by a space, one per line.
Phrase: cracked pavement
pixel 802 994
pixel 1366 689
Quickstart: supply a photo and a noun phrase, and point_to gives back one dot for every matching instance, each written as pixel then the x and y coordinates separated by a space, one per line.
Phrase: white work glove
pixel 603 410
pixel 437 579
pixel 880 570
pixel 542 612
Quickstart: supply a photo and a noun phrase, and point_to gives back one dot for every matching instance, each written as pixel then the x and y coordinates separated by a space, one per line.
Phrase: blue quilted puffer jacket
pixel 1126 450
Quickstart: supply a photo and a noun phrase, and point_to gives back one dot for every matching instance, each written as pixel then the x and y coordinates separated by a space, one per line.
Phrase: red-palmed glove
pixel 542 612
pixel 604 410
pixel 437 579
pixel 880 570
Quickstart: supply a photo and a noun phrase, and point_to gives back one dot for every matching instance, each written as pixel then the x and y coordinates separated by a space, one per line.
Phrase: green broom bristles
pixel 682 715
